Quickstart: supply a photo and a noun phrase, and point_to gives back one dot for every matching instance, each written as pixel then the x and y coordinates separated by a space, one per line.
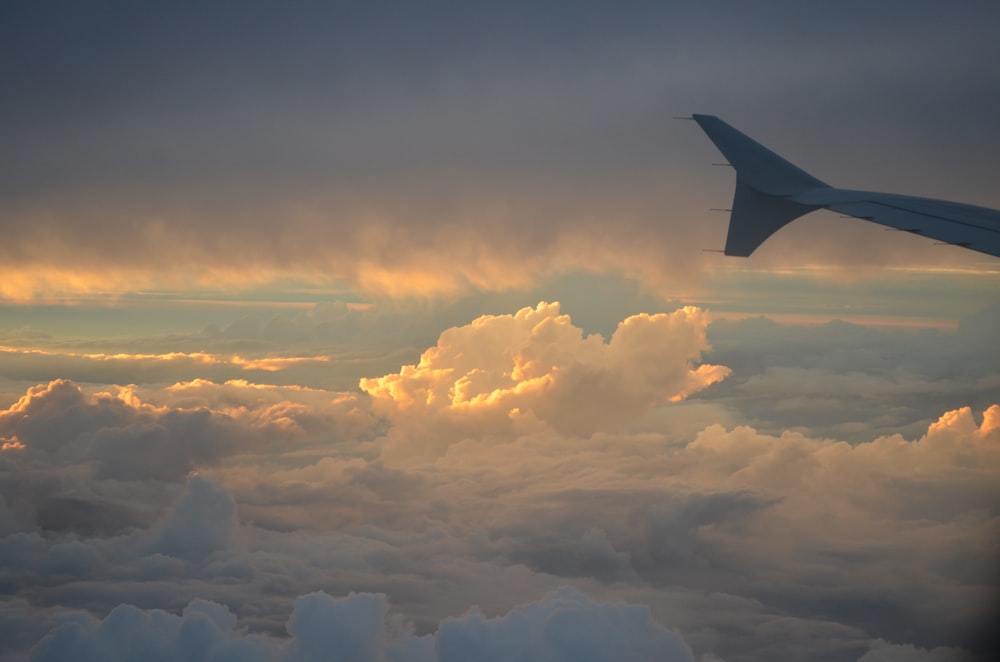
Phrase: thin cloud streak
pixel 265 363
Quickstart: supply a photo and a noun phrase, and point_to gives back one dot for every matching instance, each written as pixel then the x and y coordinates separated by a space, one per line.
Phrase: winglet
pixel 764 184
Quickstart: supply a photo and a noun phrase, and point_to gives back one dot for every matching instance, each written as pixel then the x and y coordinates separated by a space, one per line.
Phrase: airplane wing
pixel 771 192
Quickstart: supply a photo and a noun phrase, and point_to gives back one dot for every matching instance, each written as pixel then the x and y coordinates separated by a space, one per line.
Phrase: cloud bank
pixel 564 626
pixel 428 493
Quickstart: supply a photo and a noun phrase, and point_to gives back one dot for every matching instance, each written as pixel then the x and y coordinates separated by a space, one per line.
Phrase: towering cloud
pixel 536 362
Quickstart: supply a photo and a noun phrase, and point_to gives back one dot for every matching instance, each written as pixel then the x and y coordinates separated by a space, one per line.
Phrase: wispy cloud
pixel 194 359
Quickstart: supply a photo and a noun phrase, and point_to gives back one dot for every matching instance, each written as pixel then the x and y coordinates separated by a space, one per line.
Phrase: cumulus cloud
pixel 754 544
pixel 96 463
pixel 204 631
pixel 279 411
pixel 202 521
pixel 855 541
pixel 563 626
pixel 536 361
pixel 124 437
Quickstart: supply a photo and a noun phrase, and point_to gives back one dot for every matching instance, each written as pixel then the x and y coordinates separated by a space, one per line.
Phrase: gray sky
pixel 454 145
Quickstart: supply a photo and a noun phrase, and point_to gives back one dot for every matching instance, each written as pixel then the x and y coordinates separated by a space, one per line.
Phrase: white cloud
pixel 564 626
pixel 204 631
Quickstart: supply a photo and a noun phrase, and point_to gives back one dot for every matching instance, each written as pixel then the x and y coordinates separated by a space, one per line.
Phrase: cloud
pixel 850 381
pixel 100 463
pixel 482 149
pixel 351 628
pixel 204 631
pixel 536 361
pixel 802 540
pixel 201 522
pixel 887 652
pixel 126 438
pixel 752 543
pixel 33 363
pixel 564 626
pixel 278 411
pixel 198 423
pixel 561 627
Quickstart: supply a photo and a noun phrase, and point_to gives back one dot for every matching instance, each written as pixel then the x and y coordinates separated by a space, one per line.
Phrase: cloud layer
pixel 564 626
pixel 450 148
pixel 426 495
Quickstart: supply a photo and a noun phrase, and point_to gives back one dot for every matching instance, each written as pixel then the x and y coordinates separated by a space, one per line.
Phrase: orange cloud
pixel 274 364
pixel 537 361
pixel 31 283
pixel 10 444
pixel 267 364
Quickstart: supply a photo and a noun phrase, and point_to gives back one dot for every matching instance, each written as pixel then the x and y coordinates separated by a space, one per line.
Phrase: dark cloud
pixel 97 465
pixel 365 143
pixel 85 518
pixel 201 522
pixel 125 440
pixel 50 417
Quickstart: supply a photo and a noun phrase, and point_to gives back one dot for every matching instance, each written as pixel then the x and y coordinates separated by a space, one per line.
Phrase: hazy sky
pixel 383 331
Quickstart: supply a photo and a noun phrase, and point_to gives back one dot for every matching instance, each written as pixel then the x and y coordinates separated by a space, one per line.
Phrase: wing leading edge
pixel 771 192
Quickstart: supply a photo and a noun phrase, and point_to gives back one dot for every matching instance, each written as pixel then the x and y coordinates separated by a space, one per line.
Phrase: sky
pixel 386 331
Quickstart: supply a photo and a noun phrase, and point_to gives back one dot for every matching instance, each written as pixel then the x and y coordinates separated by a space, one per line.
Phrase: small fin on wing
pixel 764 183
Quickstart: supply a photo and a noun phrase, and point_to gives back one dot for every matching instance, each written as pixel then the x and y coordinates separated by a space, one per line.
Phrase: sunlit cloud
pixel 536 361
pixel 266 364
pixel 202 384
pixel 613 472
pixel 274 364
pixel 620 513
